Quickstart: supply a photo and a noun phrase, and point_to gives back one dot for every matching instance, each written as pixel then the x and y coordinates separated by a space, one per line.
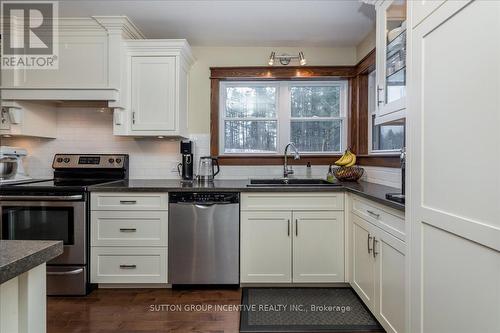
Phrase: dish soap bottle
pixel 329 176
pixel 308 170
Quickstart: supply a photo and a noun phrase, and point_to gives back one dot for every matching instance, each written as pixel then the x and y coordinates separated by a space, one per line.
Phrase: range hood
pixel 91 64
pixel 60 94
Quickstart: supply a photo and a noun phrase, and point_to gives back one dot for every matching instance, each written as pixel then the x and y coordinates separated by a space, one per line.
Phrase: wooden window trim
pixel 357 115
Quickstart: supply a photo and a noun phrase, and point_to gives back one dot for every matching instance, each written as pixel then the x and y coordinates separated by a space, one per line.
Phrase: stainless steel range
pixel 58 209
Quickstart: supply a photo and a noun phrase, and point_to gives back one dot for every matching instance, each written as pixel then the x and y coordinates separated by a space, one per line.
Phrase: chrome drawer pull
pixel 368 243
pixel 375 241
pixel 128 202
pixel 289 227
pixel 373 214
pixel 128 229
pixel 128 266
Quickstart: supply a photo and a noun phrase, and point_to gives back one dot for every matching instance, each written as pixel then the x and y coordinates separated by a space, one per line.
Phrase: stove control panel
pixel 90 161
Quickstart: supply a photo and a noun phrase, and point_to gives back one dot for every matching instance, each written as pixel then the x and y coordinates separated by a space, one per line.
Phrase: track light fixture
pixel 285 59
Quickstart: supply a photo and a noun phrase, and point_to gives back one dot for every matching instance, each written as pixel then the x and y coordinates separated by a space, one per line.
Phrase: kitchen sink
pixel 289 182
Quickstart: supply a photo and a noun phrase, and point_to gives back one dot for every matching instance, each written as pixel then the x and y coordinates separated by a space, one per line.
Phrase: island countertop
pixel 368 190
pixel 19 256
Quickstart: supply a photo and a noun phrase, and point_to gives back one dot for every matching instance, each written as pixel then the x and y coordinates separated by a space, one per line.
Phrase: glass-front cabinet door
pixel 391 60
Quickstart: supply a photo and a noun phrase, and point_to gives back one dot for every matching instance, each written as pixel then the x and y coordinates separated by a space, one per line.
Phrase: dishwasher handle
pixel 204 203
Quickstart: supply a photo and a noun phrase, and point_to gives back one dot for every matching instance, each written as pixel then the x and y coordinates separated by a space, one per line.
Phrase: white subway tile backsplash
pixel 85 130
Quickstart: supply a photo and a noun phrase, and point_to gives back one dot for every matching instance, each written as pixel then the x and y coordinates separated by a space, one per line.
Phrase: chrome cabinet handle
pixel 373 214
pixel 128 229
pixel 379 101
pixel 288 227
pixel 128 202
pixel 375 241
pixel 128 266
pixel 368 243
pixel 133 117
pixel 296 227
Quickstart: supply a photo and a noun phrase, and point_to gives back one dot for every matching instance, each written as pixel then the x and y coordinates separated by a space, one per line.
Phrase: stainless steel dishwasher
pixel 203 238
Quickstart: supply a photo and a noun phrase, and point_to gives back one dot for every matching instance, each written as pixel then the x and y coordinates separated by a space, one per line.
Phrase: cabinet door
pixel 391 59
pixel 389 253
pixel 455 233
pixel 318 246
pixel 266 246
pixel 362 261
pixel 153 93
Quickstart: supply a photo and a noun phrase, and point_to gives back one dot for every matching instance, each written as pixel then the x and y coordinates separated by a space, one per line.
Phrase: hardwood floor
pixel 129 311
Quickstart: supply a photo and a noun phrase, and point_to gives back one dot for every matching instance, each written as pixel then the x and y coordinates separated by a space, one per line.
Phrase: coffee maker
pixel 185 168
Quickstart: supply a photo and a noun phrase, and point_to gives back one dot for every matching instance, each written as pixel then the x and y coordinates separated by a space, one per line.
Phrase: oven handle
pixel 73 272
pixel 42 197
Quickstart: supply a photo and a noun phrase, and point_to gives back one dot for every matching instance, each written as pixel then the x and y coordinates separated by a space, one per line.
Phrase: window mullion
pixel 284 114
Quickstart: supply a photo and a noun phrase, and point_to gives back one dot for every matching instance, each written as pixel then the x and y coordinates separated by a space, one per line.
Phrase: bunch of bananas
pixel 347 160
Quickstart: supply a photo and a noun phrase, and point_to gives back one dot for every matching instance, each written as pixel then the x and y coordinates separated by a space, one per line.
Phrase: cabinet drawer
pixel 389 220
pixel 293 201
pixel 129 265
pixel 129 201
pixel 130 228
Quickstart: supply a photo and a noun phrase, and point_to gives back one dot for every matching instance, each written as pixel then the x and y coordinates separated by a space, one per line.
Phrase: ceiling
pixel 240 22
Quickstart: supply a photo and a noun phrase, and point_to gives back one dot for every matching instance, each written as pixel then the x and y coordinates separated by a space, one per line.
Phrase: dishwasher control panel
pixel 200 197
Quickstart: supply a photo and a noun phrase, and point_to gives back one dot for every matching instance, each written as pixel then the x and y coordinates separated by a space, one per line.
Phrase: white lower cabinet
pixel 129 238
pixel 292 246
pixel 378 272
pixel 266 247
pixel 318 246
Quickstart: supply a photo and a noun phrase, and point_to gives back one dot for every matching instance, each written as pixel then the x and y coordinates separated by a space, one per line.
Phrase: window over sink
pixel 260 118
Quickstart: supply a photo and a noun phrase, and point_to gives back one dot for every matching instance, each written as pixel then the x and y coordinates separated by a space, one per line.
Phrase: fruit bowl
pixel 351 174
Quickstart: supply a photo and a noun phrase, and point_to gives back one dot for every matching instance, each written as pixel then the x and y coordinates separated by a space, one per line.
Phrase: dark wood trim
pixel 362 114
pixel 214 117
pixel 367 64
pixel 357 118
pixel 368 160
pixel 282 73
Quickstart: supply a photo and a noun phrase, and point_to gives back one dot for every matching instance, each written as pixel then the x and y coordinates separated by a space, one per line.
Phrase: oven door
pixel 53 218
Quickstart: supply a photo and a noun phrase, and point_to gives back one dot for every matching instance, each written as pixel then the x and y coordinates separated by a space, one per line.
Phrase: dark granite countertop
pixel 371 191
pixel 19 256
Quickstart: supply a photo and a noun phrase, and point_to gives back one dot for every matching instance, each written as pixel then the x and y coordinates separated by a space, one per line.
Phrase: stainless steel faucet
pixel 287 170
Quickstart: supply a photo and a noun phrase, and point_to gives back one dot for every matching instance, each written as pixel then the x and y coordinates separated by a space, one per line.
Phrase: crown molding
pixel 121 24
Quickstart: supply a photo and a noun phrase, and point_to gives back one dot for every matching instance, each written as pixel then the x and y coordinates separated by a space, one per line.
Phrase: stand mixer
pixel 11 165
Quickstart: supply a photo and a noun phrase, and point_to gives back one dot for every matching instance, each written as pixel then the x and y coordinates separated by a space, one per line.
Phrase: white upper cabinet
pixel 391 60
pixel 154 90
pixel 153 93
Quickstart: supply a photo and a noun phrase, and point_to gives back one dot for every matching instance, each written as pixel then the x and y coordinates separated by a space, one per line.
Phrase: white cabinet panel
pixel 129 228
pixel 129 201
pixel 363 275
pixel 385 218
pixel 318 246
pixel 292 201
pixel 390 277
pixel 129 265
pixel 153 93
pixel 455 231
pixel 378 273
pixel 266 247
